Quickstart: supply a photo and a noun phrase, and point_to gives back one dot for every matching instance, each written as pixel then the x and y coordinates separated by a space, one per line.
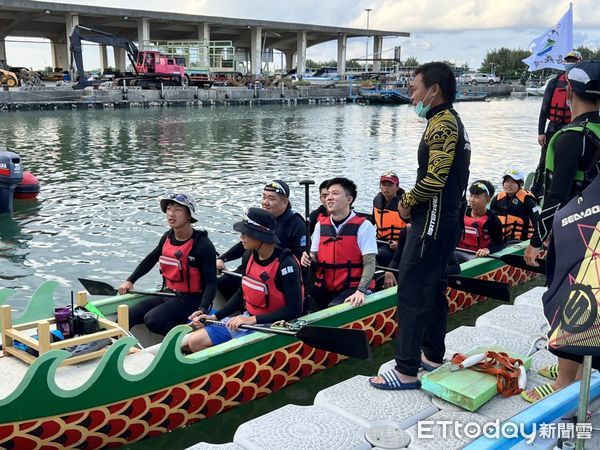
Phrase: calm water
pixel 102 173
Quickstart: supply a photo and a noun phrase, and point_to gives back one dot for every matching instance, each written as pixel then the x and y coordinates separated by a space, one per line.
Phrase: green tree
pixel 411 61
pixel 588 54
pixel 505 62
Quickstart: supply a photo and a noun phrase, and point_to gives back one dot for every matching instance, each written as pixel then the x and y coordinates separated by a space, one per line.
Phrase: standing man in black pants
pixel 556 113
pixel 435 207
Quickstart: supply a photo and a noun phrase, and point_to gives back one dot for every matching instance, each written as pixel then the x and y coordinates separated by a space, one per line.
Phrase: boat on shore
pixel 385 95
pixel 470 96
pixel 126 396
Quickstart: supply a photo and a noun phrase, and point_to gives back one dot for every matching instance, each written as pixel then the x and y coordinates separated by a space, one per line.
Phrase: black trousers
pixel 160 314
pixel 422 303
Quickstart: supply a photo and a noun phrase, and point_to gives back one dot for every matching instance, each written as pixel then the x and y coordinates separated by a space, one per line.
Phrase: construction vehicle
pixel 152 68
pixel 7 77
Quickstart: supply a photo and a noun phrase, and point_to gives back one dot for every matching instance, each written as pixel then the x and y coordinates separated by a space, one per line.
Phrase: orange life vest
pixel 388 222
pixel 339 259
pixel 474 237
pixel 175 267
pixel 260 292
pixel 559 111
pixel 512 212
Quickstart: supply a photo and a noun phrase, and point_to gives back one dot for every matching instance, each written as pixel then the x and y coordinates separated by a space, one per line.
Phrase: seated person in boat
pixel 343 250
pixel 316 214
pixel 186 257
pixel 290 230
pixel 386 218
pixel 271 287
pixel 516 207
pixel 482 233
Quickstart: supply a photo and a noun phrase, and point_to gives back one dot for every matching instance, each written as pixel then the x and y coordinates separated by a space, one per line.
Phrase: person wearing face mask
pixel 435 207
pixel 572 163
pixel 556 113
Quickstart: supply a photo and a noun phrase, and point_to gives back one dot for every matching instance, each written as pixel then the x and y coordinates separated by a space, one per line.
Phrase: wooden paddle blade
pixel 518 261
pixel 487 288
pixel 345 341
pixel 95 287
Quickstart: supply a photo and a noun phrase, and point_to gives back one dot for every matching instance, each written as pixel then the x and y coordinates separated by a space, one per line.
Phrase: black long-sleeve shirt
pixel 203 253
pixel 291 231
pixel 289 283
pixel 572 152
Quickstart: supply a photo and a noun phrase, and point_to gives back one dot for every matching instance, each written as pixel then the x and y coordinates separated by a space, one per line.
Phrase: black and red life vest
pixel 559 112
pixel 175 267
pixel 474 236
pixel 339 258
pixel 514 215
pixel 260 292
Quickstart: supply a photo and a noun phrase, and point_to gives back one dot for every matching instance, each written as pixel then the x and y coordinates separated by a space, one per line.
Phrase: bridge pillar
pixel 72 20
pixel 204 35
pixel 143 32
pixel 377 49
pixel 103 58
pixel 342 42
pixel 289 60
pixel 120 59
pixel 256 51
pixel 301 52
pixel 2 48
pixel 60 55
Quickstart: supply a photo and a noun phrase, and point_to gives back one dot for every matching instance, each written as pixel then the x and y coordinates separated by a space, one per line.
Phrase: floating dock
pixel 354 415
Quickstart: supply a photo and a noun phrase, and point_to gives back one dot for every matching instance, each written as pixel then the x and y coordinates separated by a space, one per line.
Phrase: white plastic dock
pixel 354 415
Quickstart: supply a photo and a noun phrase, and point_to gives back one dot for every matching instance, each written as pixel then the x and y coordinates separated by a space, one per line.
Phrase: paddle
pixel 515 261
pixel 486 288
pixel 307 272
pixel 345 341
pixel 96 287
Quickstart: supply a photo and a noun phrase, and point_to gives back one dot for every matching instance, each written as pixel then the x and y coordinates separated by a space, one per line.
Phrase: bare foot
pixel 428 362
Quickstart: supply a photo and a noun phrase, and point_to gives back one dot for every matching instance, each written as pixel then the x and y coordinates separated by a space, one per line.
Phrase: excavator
pixel 7 77
pixel 151 68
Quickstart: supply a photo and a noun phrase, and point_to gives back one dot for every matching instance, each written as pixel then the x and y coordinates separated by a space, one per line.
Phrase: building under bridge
pixel 252 39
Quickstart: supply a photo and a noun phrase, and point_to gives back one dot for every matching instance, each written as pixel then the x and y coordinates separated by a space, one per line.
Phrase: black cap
pixel 584 77
pixel 278 186
pixel 258 224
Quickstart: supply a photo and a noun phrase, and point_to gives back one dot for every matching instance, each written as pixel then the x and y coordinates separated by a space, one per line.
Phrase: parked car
pixel 292 74
pixel 480 78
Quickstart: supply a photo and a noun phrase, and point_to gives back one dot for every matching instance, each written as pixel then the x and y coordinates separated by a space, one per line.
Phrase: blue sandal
pixel 393 383
pixel 429 367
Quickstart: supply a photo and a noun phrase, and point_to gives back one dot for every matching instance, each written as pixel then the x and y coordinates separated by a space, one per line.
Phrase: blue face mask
pixel 568 66
pixel 420 109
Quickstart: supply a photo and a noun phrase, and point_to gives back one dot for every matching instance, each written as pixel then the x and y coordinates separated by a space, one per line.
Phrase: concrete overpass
pixel 55 21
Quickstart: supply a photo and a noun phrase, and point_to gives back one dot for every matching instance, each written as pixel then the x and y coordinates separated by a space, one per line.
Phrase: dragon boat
pixel 127 396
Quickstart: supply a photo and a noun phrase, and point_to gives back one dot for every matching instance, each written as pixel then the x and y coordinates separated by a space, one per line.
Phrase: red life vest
pixel 260 292
pixel 175 267
pixel 474 237
pixel 512 212
pixel 339 259
pixel 559 111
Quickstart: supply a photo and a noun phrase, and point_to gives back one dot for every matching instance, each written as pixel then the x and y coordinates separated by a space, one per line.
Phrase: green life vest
pixel 583 176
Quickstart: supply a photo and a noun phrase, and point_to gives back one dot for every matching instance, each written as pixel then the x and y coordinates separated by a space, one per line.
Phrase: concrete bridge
pixel 55 21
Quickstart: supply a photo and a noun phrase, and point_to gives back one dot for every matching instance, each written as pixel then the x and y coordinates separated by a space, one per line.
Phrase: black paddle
pixel 515 261
pixel 306 184
pixel 95 287
pixel 486 288
pixel 345 341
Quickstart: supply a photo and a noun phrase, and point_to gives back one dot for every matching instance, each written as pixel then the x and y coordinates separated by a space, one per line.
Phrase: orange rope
pixel 500 364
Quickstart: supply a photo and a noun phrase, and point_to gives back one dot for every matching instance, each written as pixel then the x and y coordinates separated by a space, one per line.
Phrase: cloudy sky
pixel 461 32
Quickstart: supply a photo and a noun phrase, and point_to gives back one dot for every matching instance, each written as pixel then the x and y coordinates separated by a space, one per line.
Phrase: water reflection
pixel 103 171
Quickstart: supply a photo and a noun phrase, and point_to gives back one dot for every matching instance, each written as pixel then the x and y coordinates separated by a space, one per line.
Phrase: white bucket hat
pixel 183 199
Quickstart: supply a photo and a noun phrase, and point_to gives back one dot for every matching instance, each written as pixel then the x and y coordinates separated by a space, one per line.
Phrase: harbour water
pixel 103 171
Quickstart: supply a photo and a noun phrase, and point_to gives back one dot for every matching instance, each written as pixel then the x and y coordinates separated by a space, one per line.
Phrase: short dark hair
pixel 441 74
pixel 323 185
pixel 348 185
pixel 482 187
